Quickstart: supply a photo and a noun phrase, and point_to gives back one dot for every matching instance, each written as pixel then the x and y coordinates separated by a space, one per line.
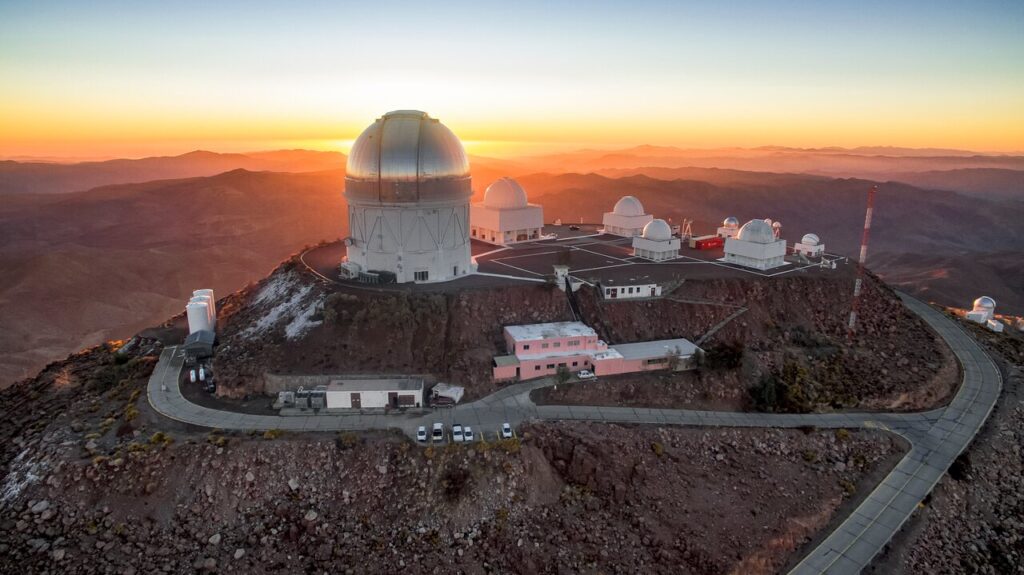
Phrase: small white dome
pixel 505 194
pixel 731 223
pixel 628 206
pixel 657 230
pixel 756 231
pixel 984 303
pixel 810 240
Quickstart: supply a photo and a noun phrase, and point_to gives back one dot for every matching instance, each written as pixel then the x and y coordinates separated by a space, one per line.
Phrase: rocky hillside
pixel 792 335
pixel 92 481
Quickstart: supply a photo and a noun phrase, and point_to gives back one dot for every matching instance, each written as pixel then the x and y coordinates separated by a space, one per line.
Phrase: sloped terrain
pixel 91 481
pixel 792 338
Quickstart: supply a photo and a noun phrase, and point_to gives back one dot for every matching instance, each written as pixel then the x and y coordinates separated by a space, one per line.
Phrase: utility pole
pixel 860 264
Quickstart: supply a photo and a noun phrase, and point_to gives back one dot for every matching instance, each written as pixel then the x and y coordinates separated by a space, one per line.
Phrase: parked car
pixel 586 374
pixel 457 436
pixel 421 434
pixel 192 375
pixel 438 433
pixel 467 434
pixel 506 431
pixel 574 228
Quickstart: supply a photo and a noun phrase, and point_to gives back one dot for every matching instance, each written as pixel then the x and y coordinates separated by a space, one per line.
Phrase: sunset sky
pixel 102 79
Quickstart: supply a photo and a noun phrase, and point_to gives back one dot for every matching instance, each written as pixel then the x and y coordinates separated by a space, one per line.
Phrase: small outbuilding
pixel 199 346
pixel 374 393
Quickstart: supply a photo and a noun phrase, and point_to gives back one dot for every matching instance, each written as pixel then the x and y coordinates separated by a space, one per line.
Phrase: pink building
pixel 538 350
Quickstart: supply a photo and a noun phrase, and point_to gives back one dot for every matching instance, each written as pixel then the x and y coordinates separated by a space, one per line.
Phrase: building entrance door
pixel 357 401
pixel 393 398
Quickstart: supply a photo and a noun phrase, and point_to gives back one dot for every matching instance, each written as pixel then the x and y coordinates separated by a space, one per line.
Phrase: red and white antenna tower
pixel 860 264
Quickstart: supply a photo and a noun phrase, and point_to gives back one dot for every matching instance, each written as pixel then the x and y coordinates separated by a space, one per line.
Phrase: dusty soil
pixel 89 487
pixel 974 521
pixel 722 391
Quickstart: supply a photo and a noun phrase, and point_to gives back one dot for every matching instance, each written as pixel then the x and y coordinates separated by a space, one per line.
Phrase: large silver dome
pixel 756 231
pixel 406 156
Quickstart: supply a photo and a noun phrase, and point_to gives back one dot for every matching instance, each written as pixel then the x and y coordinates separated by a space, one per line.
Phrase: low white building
pixel 627 218
pixel 729 228
pixel 505 216
pixel 630 291
pixel 755 246
pixel 656 242
pixel 810 245
pixel 983 310
pixel 374 393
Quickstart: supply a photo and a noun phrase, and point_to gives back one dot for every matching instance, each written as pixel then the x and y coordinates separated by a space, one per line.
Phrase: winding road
pixel 936 437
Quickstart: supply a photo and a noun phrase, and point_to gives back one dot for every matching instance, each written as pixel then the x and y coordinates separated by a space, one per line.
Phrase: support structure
pixel 851 326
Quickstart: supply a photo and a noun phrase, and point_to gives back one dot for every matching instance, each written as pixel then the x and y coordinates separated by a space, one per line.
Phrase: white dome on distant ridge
pixel 810 240
pixel 628 206
pixel 731 223
pixel 505 194
pixel 756 231
pixel 657 230
pixel 984 303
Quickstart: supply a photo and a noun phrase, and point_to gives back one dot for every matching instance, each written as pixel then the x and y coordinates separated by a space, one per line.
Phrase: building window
pixel 561 364
pixel 551 366
pixel 536 367
pixel 526 346
pixel 575 363
pixel 558 344
pixel 543 346
pixel 421 276
pixel 573 342
pixel 455 270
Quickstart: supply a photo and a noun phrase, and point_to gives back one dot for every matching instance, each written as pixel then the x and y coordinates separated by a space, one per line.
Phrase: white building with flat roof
pixel 627 218
pixel 374 393
pixel 656 242
pixel 755 246
pixel 505 216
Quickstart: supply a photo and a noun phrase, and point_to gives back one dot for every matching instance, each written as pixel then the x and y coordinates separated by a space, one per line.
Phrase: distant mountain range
pixel 81 267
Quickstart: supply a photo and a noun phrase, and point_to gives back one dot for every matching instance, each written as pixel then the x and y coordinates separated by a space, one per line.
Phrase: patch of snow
pixel 288 300
pixel 303 322
pixel 21 474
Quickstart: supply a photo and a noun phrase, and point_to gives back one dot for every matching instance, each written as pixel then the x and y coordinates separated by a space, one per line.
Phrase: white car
pixel 468 434
pixel 585 374
pixel 438 433
pixel 506 431
pixel 457 436
pixel 421 434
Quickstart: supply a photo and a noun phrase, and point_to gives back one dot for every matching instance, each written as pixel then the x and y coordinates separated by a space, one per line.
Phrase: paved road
pixel 936 436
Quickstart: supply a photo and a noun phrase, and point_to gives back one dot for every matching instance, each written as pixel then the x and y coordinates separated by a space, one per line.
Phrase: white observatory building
pixel 656 242
pixel 984 312
pixel 408 190
pixel 729 228
pixel 810 245
pixel 627 218
pixel 505 216
pixel 755 246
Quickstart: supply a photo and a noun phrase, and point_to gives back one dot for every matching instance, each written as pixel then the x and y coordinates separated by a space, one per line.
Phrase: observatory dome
pixel 756 231
pixel 731 223
pixel 810 240
pixel 406 156
pixel 628 206
pixel 657 230
pixel 505 194
pixel 984 303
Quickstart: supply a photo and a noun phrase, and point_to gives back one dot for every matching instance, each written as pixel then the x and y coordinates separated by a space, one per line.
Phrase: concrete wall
pixel 631 292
